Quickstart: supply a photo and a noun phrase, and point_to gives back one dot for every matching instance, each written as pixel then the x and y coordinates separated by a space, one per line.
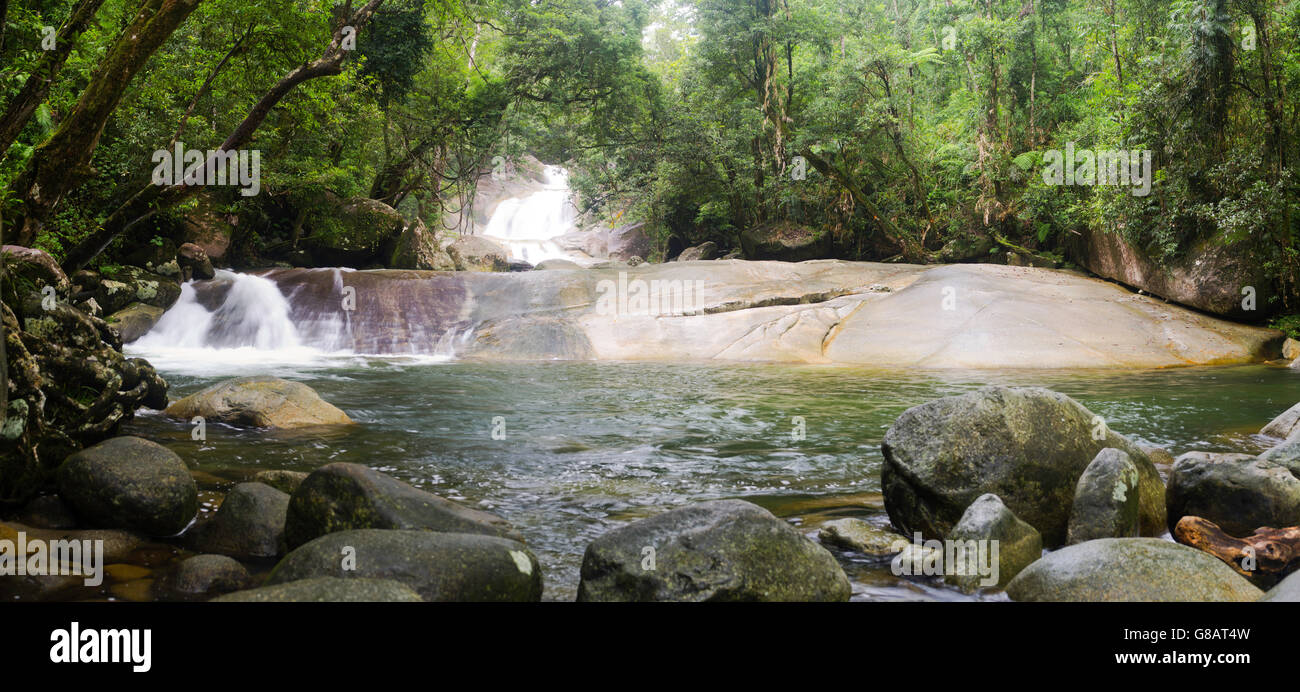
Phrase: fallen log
pixel 1264 557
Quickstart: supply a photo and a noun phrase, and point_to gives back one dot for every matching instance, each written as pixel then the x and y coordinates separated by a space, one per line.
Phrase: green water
pixel 591 446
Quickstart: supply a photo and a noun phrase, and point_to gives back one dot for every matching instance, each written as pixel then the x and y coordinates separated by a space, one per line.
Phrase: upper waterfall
pixel 528 226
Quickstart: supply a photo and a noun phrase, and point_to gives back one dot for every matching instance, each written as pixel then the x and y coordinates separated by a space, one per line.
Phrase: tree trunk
pixel 38 84
pixel 61 163
pixel 149 200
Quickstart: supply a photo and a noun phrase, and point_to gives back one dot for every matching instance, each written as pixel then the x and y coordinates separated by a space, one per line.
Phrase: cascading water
pixel 528 227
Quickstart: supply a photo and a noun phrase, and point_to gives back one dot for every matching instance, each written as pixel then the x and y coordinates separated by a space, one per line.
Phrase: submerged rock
pixel 725 550
pixel 1028 446
pixel 987 519
pixel 327 590
pixel 340 497
pixel 1238 492
pixel 249 524
pixel 860 536
pixel 129 483
pixel 1106 499
pixel 201 576
pixel 438 566
pixel 259 402
pixel 1130 569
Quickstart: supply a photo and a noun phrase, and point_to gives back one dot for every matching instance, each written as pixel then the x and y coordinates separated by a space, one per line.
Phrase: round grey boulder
pixel 988 520
pixel 1106 499
pixel 129 483
pixel 341 496
pixel 1130 569
pixel 248 525
pixel 1236 491
pixel 438 566
pixel 202 576
pixel 1028 446
pixel 327 590
pixel 260 402
pixel 726 550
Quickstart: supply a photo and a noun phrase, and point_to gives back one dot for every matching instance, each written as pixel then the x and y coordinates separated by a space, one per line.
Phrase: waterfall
pixel 528 227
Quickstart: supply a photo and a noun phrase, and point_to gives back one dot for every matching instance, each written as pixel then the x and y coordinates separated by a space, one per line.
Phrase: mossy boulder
pixel 987 519
pixel 1130 569
pixel 474 253
pixel 136 285
pixel 200 577
pixel 860 536
pixel 1105 499
pixel 1028 446
pixel 129 483
pixel 725 550
pixel 341 497
pixel 419 248
pixel 327 590
pixel 1238 492
pixel 786 242
pixel 439 566
pixel 259 402
pixel 134 320
pixel 354 232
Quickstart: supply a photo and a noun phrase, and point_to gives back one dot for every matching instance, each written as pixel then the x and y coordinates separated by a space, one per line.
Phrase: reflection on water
pixel 591 446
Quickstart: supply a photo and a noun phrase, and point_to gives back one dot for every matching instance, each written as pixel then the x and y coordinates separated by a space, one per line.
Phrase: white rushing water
pixel 529 227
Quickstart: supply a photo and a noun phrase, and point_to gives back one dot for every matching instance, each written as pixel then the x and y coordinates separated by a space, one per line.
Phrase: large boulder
pixel 1286 454
pixel 707 250
pixel 726 550
pixel 135 285
pixel 988 520
pixel 130 483
pixel 1238 492
pixel 1211 275
pixel 134 320
pixel 628 241
pixel 1106 499
pixel 787 242
pixel 1028 446
pixel 207 226
pixel 473 253
pixel 438 566
pixel 341 497
pixel 327 590
pixel 353 232
pixel 194 263
pixel 418 248
pixel 1286 424
pixel 259 402
pixel 1130 569
pixel 201 576
pixel 248 525
pixel 33 266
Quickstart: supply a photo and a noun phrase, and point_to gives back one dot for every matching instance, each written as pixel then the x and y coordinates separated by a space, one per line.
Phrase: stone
pixel 785 242
pixel 628 241
pixel 1106 499
pixel 987 520
pixel 474 253
pixel 284 481
pixel 34 266
pixel 1285 425
pixel 707 250
pixel 352 233
pixel 724 550
pixel 556 265
pixel 327 590
pixel 249 524
pixel 341 497
pixel 134 320
pixel 129 483
pixel 259 402
pixel 419 248
pixel 860 536
pixel 1291 349
pixel 1028 446
pixel 439 566
pixel 195 263
pixel 1286 591
pixel 1286 454
pixel 48 512
pixel 1238 492
pixel 1130 569
pixel 202 576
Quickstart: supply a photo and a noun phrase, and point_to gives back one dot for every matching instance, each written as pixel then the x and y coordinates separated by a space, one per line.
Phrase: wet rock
pixel 473 253
pixel 1286 454
pixel 1106 499
pixel 860 536
pixel 135 320
pixel 438 566
pixel 1028 446
pixel 786 242
pixel 340 497
pixel 707 250
pixel 1236 491
pixel 202 576
pixel 249 524
pixel 284 481
pixel 136 285
pixel 48 512
pixel 129 483
pixel 327 590
pixel 987 519
pixel 1285 424
pixel 195 263
pixel 1130 569
pixel 259 402
pixel 726 550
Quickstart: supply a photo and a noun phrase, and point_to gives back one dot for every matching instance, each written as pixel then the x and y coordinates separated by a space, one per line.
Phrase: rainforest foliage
pixel 904 128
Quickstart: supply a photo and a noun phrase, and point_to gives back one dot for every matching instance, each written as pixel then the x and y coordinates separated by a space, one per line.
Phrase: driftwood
pixel 1264 557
